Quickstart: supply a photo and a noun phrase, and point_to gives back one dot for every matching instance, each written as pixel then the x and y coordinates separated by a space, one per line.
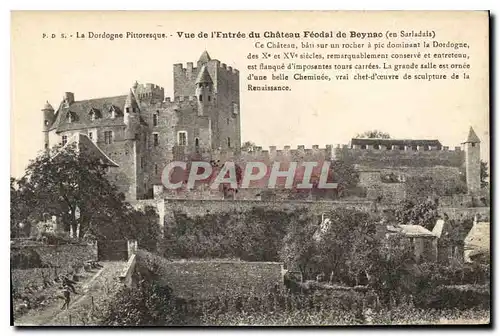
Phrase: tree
pixel 72 186
pixel 417 212
pixel 344 174
pixel 248 146
pixel 298 249
pixel 373 134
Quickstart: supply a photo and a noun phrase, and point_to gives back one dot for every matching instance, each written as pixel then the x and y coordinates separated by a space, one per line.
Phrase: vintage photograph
pixel 272 168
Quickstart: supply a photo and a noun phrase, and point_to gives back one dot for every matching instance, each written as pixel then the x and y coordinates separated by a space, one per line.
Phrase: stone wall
pixel 461 213
pixel 63 256
pixel 202 207
pixel 379 158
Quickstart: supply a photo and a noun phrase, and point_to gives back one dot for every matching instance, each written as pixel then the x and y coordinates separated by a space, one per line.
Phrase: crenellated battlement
pixel 149 91
pixel 191 69
pixel 379 149
pixel 398 155
pixel 178 99
pixel 229 69
pixel 371 157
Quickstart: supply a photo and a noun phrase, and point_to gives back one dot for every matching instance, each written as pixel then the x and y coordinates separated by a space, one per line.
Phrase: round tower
pixel 204 91
pixel 131 116
pixel 473 162
pixel 48 119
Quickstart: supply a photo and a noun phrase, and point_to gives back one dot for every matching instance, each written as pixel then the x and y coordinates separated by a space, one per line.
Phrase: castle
pixel 141 131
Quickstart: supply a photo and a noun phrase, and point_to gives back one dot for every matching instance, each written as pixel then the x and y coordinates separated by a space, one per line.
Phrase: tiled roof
pixel 395 142
pixel 415 231
pixel 81 112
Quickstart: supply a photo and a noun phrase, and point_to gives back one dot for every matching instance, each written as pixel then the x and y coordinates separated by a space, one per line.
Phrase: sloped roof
pixel 86 146
pixel 47 106
pixel 82 108
pixel 395 142
pixel 472 137
pixel 479 237
pixel 203 76
pixel 415 231
pixel 130 101
pixel 205 57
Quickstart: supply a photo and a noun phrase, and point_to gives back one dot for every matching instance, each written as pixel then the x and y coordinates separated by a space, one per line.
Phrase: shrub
pixel 25 258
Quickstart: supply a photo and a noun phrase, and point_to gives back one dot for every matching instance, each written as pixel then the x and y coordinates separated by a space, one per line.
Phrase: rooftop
pixel 395 142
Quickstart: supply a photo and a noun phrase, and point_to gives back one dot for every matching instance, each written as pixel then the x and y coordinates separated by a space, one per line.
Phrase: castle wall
pixel 184 79
pixel 124 176
pixel 202 207
pixel 379 158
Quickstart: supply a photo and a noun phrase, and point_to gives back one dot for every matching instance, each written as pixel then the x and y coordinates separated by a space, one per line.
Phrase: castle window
pixel 228 142
pixel 108 137
pixel 363 146
pixel 208 98
pixel 46 145
pixel 182 138
pixel 200 98
pixel 155 119
pixel 127 109
pixel 156 169
pixel 473 144
pixel 156 139
pixel 64 139
pixel 197 142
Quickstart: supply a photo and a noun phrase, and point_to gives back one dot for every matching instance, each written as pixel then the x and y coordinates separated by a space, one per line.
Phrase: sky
pixel 313 113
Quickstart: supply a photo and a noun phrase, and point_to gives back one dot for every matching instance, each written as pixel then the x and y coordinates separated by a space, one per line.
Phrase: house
pixel 477 243
pixel 422 241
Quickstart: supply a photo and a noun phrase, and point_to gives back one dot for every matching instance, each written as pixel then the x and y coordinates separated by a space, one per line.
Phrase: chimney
pixel 69 98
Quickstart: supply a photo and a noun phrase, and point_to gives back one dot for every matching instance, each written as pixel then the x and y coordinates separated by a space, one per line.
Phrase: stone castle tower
pixel 472 162
pixel 217 91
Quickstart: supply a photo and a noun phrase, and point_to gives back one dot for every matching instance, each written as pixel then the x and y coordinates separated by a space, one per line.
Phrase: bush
pixel 25 258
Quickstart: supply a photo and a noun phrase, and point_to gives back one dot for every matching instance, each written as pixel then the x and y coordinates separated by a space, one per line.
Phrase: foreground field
pixel 398 316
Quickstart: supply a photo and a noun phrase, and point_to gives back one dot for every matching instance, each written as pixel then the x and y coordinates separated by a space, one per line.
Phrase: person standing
pixel 67 297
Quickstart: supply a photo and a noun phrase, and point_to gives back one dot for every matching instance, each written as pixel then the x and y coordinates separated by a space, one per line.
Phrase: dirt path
pixel 90 293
